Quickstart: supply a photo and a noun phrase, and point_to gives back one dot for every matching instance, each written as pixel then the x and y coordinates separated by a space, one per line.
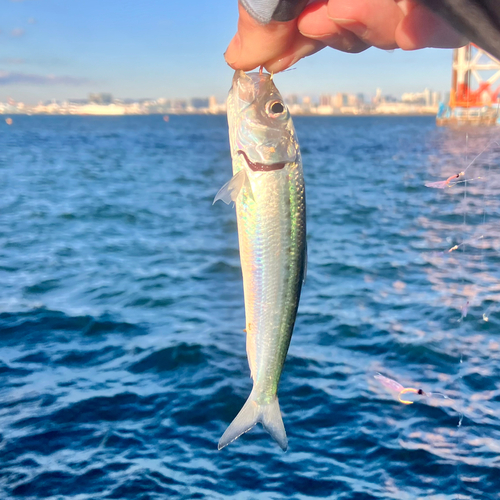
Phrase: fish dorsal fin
pixel 231 189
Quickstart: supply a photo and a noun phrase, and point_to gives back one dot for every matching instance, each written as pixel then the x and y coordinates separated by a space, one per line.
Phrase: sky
pixel 63 49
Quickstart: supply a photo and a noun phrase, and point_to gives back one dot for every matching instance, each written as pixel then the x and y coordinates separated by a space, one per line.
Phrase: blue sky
pixel 170 48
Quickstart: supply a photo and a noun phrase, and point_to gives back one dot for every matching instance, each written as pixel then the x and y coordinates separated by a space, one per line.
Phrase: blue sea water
pixel 122 355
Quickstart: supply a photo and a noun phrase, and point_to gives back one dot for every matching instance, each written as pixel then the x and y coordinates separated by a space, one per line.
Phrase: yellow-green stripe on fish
pixel 268 190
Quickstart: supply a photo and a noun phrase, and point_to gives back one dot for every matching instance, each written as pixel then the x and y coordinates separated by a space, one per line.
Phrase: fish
pixel 268 191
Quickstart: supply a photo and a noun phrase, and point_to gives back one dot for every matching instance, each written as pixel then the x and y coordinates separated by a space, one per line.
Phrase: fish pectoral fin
pixel 230 190
pixel 252 413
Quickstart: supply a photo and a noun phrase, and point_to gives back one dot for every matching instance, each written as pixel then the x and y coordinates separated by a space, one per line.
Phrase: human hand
pixel 346 25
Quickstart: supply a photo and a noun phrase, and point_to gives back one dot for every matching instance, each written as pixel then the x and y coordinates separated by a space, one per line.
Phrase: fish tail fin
pixel 269 415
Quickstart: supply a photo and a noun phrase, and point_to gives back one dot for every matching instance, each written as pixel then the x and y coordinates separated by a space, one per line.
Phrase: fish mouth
pixel 261 167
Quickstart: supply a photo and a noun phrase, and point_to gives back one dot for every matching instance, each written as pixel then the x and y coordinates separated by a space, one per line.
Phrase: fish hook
pixel 412 390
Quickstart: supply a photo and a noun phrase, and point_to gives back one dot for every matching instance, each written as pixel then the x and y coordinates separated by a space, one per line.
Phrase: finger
pixel 314 23
pixel 422 28
pixel 255 44
pixel 373 21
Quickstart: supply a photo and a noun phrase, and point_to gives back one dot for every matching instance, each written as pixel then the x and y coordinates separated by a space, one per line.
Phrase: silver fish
pixel 268 190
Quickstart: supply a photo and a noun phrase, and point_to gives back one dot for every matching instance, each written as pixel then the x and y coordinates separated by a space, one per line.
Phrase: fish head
pixel 260 125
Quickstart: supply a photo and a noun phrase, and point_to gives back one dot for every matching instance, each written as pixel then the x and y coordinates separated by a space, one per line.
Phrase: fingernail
pixel 233 52
pixel 405 7
pixel 322 36
pixel 352 25
pixel 282 64
pixel 286 62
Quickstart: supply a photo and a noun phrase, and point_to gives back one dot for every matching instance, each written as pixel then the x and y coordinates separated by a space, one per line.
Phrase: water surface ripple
pixel 122 355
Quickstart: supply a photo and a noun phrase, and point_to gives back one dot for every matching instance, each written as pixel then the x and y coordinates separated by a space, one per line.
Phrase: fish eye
pixel 275 108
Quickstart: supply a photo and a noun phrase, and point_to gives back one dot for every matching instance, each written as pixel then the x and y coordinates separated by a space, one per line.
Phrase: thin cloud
pixel 8 78
pixel 17 32
pixel 12 60
pixel 45 62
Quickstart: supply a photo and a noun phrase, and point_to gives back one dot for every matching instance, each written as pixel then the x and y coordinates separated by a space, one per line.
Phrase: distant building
pixel 423 98
pixel 340 100
pixel 306 103
pixel 389 98
pixel 325 105
pixel 436 99
pixel 325 99
pixel 427 97
pixel 99 109
pixel 352 100
pixel 212 104
pixel 179 105
pixel 199 102
pixel 100 98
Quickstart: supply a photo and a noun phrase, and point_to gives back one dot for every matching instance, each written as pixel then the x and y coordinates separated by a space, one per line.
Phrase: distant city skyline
pixel 66 50
pixel 336 99
pixel 315 98
pixel 341 103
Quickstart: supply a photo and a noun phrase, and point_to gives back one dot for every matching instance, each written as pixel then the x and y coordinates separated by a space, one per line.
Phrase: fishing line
pixel 461 327
pixel 467 262
pixel 477 289
pixel 447 183
pixel 477 156
pixel 482 266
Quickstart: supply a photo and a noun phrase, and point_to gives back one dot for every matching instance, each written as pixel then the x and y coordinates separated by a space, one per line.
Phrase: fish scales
pixel 271 232
pixel 269 194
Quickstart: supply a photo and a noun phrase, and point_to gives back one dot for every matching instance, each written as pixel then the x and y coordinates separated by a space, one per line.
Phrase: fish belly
pixel 272 239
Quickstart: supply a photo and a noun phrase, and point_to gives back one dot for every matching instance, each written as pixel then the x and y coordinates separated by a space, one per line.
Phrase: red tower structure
pixel 475 89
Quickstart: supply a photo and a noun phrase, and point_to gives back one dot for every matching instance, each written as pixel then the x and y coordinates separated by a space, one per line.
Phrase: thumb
pixel 255 44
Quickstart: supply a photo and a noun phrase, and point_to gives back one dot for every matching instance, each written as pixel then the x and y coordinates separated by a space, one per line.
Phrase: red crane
pixel 475 75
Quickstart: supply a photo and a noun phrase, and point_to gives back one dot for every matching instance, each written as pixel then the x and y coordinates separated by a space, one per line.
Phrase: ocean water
pixel 122 355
